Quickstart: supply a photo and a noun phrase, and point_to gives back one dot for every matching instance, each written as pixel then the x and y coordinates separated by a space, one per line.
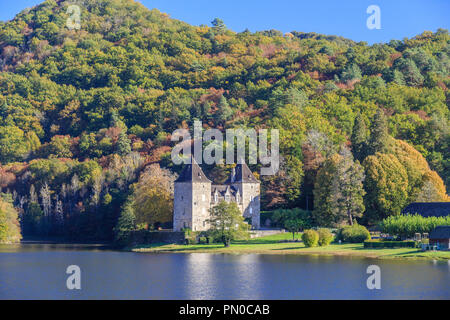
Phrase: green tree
pixel 411 74
pixel 379 136
pixel 218 24
pixel 224 111
pixel 13 145
pixel 338 190
pixel 32 221
pixel 293 220
pixel 125 224
pixel 58 147
pixel 123 144
pixel 347 190
pixel 359 138
pixel 324 211
pixel 227 223
pixel 351 72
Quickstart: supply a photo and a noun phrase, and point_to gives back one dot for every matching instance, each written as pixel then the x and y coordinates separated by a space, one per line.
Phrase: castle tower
pixel 192 199
pixel 243 180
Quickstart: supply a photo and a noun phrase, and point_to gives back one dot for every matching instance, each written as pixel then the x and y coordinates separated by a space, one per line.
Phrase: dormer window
pixel 216 198
pixel 237 197
pixel 227 197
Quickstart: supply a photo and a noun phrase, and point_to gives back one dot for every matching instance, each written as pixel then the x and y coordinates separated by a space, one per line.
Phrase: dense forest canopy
pixel 83 113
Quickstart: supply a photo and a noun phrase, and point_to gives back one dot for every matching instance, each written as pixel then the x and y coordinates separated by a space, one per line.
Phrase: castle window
pixel 181 197
pixel 203 197
pixel 251 210
pixel 251 198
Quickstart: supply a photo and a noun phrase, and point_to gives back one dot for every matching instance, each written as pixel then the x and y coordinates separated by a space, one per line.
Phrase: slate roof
pixel 192 173
pixel 242 173
pixel 222 190
pixel 441 232
pixel 428 209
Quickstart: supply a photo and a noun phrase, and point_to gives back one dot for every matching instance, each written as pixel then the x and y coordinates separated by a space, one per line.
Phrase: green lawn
pixel 272 245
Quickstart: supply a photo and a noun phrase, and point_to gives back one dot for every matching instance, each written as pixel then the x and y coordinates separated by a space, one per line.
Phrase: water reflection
pixel 207 276
pixel 35 271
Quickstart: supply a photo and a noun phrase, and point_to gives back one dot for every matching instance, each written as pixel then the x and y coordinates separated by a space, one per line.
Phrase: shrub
pixel 354 234
pixel 325 237
pixel 310 238
pixel 189 236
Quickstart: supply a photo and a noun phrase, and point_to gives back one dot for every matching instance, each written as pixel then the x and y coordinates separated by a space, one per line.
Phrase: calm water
pixel 37 271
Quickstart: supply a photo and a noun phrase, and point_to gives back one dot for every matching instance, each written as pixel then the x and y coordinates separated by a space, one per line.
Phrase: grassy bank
pixel 272 245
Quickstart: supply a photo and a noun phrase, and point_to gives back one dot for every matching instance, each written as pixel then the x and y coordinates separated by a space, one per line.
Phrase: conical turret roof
pixel 242 173
pixel 192 173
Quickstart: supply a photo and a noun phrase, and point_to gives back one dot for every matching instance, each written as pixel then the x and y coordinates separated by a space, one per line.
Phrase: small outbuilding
pixel 441 237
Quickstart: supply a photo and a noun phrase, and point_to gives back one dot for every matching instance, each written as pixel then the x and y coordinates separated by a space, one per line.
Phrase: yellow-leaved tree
pixel 9 224
pixel 424 184
pixel 153 196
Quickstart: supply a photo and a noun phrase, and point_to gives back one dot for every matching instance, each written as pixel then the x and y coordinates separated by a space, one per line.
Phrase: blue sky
pixel 347 18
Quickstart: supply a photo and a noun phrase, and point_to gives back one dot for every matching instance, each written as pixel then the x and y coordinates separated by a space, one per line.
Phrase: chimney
pixel 233 175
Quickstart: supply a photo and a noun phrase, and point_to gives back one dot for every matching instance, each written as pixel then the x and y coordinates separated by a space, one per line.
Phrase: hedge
pixel 389 244
pixel 406 226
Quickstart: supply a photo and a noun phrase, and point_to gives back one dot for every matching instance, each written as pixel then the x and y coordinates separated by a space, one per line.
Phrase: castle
pixel 195 195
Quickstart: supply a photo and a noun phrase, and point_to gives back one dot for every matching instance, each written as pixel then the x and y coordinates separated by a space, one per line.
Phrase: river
pixel 38 271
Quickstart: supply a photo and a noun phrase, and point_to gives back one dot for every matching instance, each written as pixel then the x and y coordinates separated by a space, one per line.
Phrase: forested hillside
pixel 85 115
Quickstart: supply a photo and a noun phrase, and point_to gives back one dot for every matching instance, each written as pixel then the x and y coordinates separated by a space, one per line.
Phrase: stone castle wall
pixel 182 206
pixel 201 203
pixel 251 202
pixel 192 203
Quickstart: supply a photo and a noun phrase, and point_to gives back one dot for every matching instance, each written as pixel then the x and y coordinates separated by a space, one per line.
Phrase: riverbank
pixel 272 245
